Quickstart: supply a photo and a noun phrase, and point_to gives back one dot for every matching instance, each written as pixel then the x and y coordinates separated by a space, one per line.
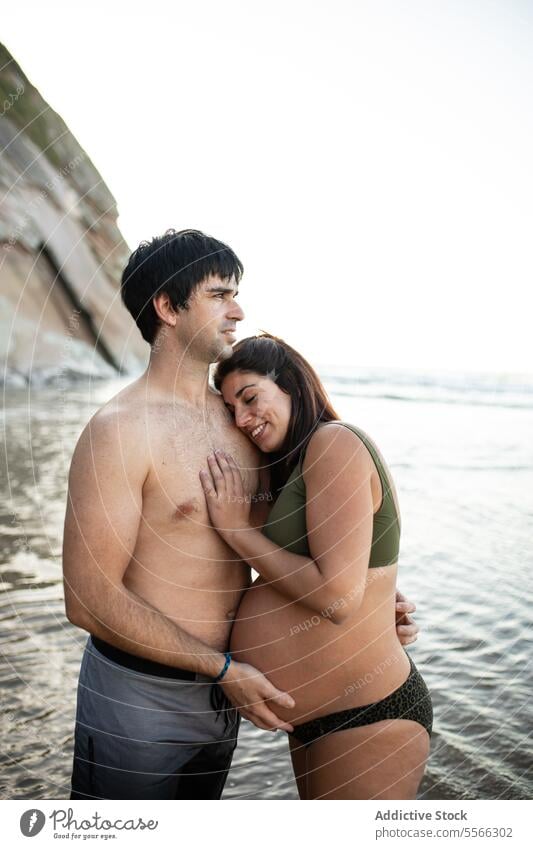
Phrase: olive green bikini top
pixel 286 524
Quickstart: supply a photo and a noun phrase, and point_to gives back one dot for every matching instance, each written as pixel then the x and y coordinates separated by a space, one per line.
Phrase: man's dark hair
pixel 175 263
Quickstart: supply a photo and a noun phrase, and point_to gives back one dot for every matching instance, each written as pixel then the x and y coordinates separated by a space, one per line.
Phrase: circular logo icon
pixel 31 822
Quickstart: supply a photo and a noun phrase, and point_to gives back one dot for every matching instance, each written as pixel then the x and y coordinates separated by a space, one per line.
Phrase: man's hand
pixel 249 690
pixel 406 627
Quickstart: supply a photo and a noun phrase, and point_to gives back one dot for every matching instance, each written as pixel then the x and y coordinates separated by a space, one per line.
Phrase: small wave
pixel 57 377
pixel 492 390
pixel 481 468
pixel 526 404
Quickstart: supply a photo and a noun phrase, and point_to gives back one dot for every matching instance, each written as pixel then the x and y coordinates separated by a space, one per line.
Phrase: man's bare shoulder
pixel 117 429
pixel 121 414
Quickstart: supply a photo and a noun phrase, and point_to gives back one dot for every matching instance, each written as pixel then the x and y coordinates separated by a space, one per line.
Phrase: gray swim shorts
pixel 141 735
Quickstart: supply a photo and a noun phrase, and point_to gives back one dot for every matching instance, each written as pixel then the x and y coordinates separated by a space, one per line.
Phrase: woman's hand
pixel 227 503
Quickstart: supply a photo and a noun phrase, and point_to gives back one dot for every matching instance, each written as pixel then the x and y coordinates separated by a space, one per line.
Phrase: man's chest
pixel 179 451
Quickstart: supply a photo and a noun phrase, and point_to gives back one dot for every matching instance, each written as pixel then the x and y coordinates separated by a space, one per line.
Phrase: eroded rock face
pixel 61 252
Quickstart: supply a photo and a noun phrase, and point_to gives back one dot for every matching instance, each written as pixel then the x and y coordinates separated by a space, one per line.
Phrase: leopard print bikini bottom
pixel 410 701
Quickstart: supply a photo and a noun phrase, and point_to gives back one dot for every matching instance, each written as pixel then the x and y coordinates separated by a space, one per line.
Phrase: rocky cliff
pixel 61 252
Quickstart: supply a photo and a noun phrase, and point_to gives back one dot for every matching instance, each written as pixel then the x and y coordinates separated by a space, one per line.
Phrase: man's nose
pixel 235 313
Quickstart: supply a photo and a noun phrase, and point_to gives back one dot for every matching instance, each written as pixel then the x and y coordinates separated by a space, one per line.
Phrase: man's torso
pixel 180 564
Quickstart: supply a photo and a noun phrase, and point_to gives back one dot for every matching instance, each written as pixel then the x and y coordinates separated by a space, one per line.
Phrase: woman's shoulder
pixel 335 444
pixel 337 431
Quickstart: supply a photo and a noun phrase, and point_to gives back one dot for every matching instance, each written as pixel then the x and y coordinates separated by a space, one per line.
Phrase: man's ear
pixel 164 309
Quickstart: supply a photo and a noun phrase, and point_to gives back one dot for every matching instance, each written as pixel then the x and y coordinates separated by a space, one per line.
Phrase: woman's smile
pixel 258 431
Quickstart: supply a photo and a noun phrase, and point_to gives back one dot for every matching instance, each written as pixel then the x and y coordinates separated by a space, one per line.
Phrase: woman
pixel 320 620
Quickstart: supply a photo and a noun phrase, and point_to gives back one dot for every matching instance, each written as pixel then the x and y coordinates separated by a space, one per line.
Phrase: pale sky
pixel 370 162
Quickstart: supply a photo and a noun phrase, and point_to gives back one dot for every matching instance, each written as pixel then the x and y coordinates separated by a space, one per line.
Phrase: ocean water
pixel 460 448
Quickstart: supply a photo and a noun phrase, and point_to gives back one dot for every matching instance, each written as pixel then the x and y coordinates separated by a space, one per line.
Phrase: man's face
pixel 208 326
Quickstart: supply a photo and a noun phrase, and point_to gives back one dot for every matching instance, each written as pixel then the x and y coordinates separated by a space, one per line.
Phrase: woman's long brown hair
pixel 310 406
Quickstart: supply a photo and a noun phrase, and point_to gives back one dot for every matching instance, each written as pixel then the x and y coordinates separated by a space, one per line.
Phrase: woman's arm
pixel 339 513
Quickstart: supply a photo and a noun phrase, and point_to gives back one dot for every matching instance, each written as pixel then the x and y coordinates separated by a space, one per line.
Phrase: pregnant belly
pixel 318 662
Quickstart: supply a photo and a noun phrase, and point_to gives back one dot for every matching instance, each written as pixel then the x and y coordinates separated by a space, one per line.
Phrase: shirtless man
pixel 144 572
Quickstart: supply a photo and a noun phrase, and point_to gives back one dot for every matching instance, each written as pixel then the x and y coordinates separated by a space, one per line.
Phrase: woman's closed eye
pixel 249 400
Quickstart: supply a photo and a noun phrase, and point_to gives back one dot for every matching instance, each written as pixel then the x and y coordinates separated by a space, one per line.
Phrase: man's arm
pixel 104 511
pixel 406 627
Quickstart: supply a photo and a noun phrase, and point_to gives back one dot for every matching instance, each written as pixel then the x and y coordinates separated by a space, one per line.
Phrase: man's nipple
pixel 186 508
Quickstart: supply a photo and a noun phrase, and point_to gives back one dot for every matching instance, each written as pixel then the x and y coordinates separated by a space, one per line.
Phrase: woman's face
pixel 260 408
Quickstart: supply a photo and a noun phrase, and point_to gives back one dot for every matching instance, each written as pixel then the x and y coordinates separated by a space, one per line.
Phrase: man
pixel 145 573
